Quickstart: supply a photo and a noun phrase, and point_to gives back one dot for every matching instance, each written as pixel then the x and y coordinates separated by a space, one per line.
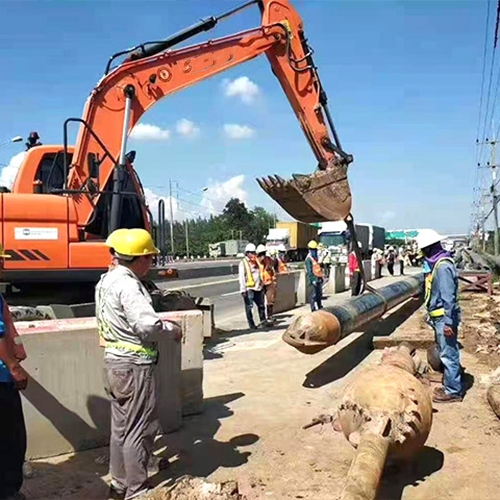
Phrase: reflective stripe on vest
pixel 436 313
pixel 250 282
pixel 316 268
pixel 108 338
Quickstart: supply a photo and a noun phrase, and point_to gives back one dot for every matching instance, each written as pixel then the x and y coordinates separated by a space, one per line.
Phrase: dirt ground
pixel 260 392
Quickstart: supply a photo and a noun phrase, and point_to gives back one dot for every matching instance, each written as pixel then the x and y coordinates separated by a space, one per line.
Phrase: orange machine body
pixel 56 218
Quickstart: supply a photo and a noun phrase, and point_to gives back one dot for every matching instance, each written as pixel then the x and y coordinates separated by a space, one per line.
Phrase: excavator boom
pixel 153 71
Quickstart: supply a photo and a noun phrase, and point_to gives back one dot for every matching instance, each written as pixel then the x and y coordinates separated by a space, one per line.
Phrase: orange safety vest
pixel 282 267
pixel 316 268
pixel 266 271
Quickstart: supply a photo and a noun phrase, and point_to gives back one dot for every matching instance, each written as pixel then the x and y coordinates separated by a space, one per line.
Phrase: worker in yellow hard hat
pixel 13 379
pixel 314 276
pixel 129 328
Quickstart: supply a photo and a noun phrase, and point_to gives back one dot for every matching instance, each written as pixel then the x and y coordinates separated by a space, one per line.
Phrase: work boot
pixel 440 396
pixel 116 493
pixel 17 496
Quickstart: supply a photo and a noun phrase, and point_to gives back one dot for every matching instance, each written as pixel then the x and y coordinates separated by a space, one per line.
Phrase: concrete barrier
pixel 337 280
pixel 65 405
pixel 367 268
pixel 286 296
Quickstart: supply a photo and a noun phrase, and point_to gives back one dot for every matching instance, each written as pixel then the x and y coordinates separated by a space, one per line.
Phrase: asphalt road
pixel 223 292
pixel 202 263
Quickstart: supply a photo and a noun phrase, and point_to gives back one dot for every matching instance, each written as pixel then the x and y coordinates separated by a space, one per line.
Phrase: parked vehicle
pixel 294 236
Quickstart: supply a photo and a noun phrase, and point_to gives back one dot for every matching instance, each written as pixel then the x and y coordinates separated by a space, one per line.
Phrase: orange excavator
pixel 66 199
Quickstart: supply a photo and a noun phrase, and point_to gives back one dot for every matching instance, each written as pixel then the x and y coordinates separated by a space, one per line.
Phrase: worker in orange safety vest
pixel 282 266
pixel 268 271
pixel 13 378
pixel 314 276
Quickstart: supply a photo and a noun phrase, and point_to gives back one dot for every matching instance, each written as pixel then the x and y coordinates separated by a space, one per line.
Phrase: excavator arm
pixel 153 71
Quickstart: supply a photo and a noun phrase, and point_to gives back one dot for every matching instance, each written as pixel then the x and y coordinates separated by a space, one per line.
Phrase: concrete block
pixel 192 362
pixel 338 274
pixel 303 290
pixel 65 405
pixel 367 268
pixel 286 296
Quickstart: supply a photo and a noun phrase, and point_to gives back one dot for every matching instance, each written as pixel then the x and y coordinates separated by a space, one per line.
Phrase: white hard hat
pixel 427 237
pixel 261 249
pixel 250 248
pixel 281 248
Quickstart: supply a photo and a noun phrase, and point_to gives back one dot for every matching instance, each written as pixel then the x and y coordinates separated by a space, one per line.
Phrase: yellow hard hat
pixel 132 242
pixel 312 244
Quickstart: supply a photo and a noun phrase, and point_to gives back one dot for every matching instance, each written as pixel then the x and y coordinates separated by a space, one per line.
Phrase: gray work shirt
pixel 124 305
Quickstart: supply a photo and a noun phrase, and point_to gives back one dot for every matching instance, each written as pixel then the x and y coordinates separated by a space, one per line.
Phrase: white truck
pixel 336 238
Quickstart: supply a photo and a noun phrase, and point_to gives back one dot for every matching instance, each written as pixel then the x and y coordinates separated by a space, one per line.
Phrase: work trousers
pixel 316 295
pixel 12 440
pixel 450 357
pixel 355 283
pixel 134 423
pixel 401 267
pixel 249 298
pixel 390 268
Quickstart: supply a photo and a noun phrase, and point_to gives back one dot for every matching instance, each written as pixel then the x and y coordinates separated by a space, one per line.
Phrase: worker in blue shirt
pixel 441 302
pixel 13 378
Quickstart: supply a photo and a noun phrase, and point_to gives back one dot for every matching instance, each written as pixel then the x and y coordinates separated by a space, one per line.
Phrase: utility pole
pixel 493 191
pixel 186 222
pixel 171 217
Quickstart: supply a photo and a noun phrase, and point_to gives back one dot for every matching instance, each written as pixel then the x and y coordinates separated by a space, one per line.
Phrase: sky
pixel 402 77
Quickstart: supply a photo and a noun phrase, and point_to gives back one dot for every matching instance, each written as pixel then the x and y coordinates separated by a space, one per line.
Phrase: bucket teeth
pixel 322 196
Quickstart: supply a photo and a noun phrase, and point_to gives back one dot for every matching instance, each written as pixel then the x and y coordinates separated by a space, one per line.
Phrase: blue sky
pixel 403 80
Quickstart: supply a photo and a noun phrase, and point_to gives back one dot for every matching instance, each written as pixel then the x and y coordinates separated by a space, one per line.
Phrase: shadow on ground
pixel 344 360
pixel 194 449
pixel 397 476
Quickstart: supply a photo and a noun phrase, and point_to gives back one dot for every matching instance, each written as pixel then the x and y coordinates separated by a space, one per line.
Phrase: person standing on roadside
pixel 268 271
pixel 391 258
pixel 354 272
pixel 129 328
pixel 13 378
pixel 251 287
pixel 401 258
pixel 443 310
pixel 314 276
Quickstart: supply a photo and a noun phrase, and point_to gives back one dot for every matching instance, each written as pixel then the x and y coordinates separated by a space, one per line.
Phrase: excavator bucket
pixel 322 196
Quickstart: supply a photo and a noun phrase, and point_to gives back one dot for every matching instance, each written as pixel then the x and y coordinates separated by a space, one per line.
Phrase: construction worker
pixel 268 270
pixel 129 328
pixel 281 258
pixel 354 272
pixel 391 259
pixel 13 378
pixel 251 286
pixel 401 258
pixel 314 276
pixel 441 301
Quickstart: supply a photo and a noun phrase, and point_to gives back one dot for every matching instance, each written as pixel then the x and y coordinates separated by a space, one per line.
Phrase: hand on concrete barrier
pixel 176 331
pixel 20 376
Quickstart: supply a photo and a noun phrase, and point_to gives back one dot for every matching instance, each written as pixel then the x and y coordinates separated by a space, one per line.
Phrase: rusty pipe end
pixel 313 332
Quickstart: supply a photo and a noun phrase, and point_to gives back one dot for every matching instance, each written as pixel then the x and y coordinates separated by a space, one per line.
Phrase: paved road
pixel 202 263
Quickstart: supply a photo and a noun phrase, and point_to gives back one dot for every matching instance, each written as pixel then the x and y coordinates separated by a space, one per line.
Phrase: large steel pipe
pixel 313 332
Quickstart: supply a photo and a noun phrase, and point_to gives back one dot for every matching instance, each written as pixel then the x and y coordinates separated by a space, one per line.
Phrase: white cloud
pixel 187 128
pixel 147 132
pixel 243 88
pixel 212 201
pixel 235 131
pixel 219 193
pixel 152 199
pixel 8 173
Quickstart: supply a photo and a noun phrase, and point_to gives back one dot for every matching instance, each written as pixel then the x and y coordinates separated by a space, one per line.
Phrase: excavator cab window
pixel 131 211
pixel 50 173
